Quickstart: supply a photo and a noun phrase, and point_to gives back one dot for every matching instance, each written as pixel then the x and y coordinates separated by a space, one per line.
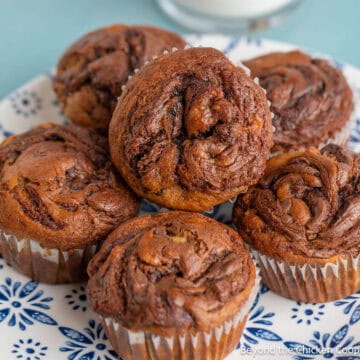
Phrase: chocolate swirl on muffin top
pixel 307 204
pixel 310 99
pixel 171 272
pixel 91 72
pixel 191 130
pixel 57 186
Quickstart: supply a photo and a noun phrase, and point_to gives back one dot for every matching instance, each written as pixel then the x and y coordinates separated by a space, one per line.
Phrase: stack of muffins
pixel 187 129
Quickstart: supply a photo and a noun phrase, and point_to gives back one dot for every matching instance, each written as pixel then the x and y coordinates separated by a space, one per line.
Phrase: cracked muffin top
pixel 311 100
pixel 307 205
pixel 171 272
pixel 191 130
pixel 58 186
pixel 91 72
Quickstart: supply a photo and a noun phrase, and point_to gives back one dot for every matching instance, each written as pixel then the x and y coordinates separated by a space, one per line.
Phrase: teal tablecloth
pixel 33 33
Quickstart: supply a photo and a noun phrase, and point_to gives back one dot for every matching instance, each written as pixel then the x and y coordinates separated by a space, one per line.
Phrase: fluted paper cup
pixel 311 282
pixel 215 345
pixel 52 266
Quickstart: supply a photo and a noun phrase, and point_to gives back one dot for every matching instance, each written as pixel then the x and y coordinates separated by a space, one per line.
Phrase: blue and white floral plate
pixel 54 322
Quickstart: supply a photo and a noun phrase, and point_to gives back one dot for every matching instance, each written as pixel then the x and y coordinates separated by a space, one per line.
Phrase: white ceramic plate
pixel 54 322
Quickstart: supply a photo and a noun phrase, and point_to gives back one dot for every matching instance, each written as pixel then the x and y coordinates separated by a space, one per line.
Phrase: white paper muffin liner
pixel 311 282
pixel 214 345
pixel 53 266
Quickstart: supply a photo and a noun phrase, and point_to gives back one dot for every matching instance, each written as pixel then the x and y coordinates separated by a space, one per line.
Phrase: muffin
pixel 311 100
pixel 173 285
pixel 191 130
pixel 302 220
pixel 59 197
pixel 91 72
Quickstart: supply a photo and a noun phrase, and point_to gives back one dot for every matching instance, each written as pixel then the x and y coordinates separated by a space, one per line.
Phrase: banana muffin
pixel 91 72
pixel 191 130
pixel 302 220
pixel 311 100
pixel 173 285
pixel 59 197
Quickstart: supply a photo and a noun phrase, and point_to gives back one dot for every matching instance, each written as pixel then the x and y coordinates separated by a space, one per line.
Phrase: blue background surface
pixel 33 33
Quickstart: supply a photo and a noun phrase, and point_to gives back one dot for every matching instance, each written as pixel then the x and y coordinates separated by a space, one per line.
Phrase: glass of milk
pixel 227 15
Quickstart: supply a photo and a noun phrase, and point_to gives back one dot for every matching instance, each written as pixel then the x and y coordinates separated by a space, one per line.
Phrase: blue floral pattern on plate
pixel 90 344
pixel 26 103
pixel 307 313
pixel 22 304
pixel 62 325
pixel 327 346
pixel 256 329
pixel 351 306
pixel 29 350
pixel 77 298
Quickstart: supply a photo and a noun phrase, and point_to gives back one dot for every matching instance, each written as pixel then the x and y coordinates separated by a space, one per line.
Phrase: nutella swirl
pixel 307 204
pixel 310 99
pixel 57 186
pixel 171 272
pixel 91 72
pixel 191 130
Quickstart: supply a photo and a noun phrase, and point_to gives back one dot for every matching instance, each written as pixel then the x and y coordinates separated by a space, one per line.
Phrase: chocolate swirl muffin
pixel 91 72
pixel 310 99
pixel 172 275
pixel 59 196
pixel 305 211
pixel 191 130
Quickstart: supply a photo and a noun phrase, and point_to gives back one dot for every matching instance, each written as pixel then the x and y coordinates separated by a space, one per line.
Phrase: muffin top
pixel 171 272
pixel 57 186
pixel 310 99
pixel 91 72
pixel 191 130
pixel 307 205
